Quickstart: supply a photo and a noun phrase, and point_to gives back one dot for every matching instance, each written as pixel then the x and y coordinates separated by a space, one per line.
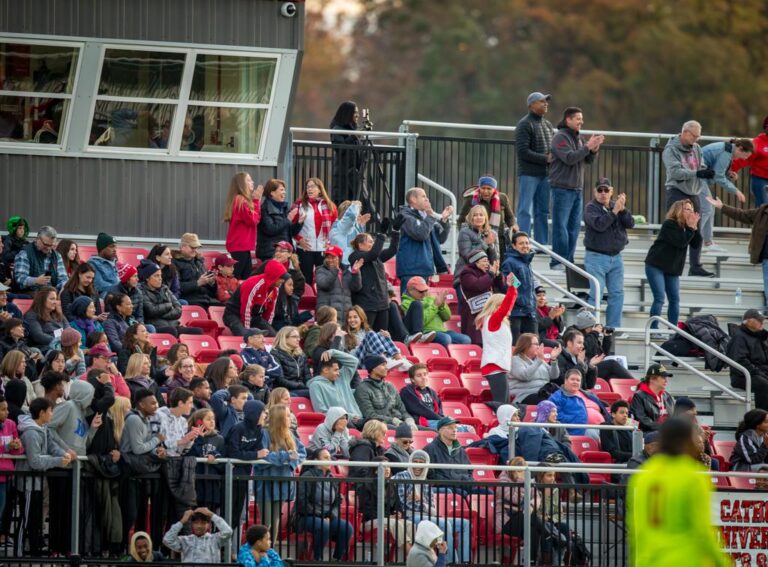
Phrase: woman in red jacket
pixel 242 211
pixel 758 162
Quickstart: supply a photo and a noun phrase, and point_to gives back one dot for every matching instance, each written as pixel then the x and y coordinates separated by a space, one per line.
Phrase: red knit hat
pixel 125 272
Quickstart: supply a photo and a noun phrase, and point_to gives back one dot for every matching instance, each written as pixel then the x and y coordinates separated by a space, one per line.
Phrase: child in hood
pixel 332 435
pixel 16 239
pixel 141 550
pixel 430 548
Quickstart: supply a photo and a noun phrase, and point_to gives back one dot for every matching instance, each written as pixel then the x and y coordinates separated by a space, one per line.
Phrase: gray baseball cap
pixel 537 96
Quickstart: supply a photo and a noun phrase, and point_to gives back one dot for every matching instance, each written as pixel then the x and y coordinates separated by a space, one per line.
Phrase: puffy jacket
pixel 750 349
pixel 533 140
pixel 365 451
pixel 319 498
pixel 573 409
pixel 380 400
pixel 419 252
pixel 470 241
pixel 331 291
pixel 473 281
pixel 190 269
pixel 707 329
pixel 569 154
pixel 161 308
pixel 115 327
pixel 520 265
pixel 507 215
pixel 278 464
pixel 273 227
pixel 647 411
pixel 137 299
pixel 604 231
pixel 40 334
pixel 106 274
pixel 296 372
pixel 345 229
pixel 440 453
pixel 373 295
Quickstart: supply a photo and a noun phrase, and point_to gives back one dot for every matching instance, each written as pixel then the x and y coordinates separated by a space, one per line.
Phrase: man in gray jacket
pixel 686 179
pixel 566 176
pixel 379 399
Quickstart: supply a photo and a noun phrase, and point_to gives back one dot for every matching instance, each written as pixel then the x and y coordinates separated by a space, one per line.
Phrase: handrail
pixel 747 399
pixel 498 128
pixel 359 133
pixel 575 268
pixel 453 236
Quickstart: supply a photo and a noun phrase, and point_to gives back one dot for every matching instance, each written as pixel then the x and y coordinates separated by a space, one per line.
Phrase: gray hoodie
pixel 682 162
pixel 68 425
pixel 325 437
pixel 422 554
pixel 42 451
pixel 137 436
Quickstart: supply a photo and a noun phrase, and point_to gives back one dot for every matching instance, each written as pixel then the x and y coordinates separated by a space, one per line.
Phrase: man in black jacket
pixel 533 140
pixel 652 404
pixel 575 356
pixel 749 347
pixel 618 443
pixel 198 285
pixel 606 222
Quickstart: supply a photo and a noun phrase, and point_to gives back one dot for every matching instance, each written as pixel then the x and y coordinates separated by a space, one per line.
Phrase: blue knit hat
pixel 80 305
pixel 487 180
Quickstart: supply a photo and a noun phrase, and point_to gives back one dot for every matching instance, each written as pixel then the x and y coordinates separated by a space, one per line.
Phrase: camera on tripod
pixel 367 123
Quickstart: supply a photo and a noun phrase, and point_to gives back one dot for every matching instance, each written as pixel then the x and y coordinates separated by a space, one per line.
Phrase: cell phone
pixel 515 281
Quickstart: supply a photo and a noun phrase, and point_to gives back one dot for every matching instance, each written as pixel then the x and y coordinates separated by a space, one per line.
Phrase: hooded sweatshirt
pixel 406 491
pixel 42 451
pixel 682 162
pixel 245 439
pixel 336 442
pixel 256 296
pixel 326 393
pixel 105 276
pixel 8 433
pixel 155 556
pixel 504 414
pixel 422 554
pixel 68 426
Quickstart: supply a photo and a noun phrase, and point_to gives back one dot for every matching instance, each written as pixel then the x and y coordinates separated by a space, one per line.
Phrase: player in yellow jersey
pixel 669 506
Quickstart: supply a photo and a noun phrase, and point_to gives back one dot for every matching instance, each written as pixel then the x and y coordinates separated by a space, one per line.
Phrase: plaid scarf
pixel 495 217
pixel 325 216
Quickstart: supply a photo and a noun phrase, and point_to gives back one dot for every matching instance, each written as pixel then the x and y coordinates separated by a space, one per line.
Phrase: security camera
pixel 288 9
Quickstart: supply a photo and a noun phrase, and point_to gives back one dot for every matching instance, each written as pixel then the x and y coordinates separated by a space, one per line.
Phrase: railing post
pixel 288 164
pixel 75 531
pixel 380 493
pixel 410 162
pixel 654 175
pixel 511 440
pixel 228 469
pixel 527 536
pixel 648 342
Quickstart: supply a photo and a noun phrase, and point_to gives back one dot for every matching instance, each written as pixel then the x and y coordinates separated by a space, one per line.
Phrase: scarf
pixel 494 218
pixel 86 325
pixel 37 263
pixel 144 381
pixel 325 216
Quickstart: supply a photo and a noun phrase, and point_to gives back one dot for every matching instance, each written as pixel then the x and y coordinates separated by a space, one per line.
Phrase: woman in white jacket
pixel 531 369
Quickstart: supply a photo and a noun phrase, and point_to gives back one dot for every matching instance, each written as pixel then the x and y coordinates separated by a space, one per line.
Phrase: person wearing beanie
pixel 758 164
pixel 129 285
pixel 84 319
pixel 598 342
pixel 518 261
pixel 198 284
pixel 475 235
pixel 652 404
pixel 533 141
pixel 105 264
pixel 379 399
pixel 570 153
pixel 401 447
pixel 497 205
pixel 161 308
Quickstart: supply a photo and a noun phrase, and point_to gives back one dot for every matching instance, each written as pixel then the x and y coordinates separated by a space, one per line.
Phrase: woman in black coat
pixel 276 224
pixel 373 296
pixel 347 159
pixel 288 354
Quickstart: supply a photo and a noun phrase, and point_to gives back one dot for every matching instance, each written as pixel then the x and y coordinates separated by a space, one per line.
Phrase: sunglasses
pixel 603 190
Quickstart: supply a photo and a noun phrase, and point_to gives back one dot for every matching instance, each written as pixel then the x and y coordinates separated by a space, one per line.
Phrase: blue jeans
pixel 765 281
pixel 609 271
pixel 662 284
pixel 566 222
pixel 533 203
pixel 324 529
pixel 759 186
pixel 450 527
pixel 446 338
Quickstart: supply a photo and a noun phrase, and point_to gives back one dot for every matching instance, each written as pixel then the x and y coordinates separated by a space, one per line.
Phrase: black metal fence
pixel 457 162
pixel 373 174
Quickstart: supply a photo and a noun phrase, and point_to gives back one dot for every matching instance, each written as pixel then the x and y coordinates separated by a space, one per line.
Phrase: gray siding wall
pixel 122 197
pixel 222 22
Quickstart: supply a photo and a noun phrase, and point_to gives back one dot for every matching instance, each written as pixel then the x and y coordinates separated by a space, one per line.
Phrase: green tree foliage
pixel 630 64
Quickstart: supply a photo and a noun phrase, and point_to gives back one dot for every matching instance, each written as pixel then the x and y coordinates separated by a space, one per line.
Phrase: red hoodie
pixel 8 433
pixel 758 161
pixel 260 291
pixel 241 234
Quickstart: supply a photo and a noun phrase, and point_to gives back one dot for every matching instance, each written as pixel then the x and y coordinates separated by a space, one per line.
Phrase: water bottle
pixel 737 297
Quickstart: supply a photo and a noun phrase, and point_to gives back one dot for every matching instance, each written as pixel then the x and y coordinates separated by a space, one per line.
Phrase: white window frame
pixel 70 97
pixel 183 103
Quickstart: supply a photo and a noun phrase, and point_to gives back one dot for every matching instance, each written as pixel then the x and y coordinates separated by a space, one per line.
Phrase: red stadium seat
pixel 300 405
pixel 485 506
pixel 422 438
pixel 308 301
pixel 601 385
pixel 305 433
pixel 481 456
pixel 448 386
pixel 582 443
pixel 530 414
pixel 230 342
pixel 399 379
pixel 216 313
pixel 625 386
pixel 461 413
pixel 609 398
pixel 723 448
pixel 22 304
pixel 85 252
pixel 453 325
pixel 403 348
pixel 208 257
pixel 722 481
pixel 465 437
pixel 192 313
pixel 597 458
pixel 207 355
pixel 450 294
pixel 309 418
pixel 130 255
pixel 743 482
pixel 484 414
pixel 468 356
pixel 435 356
pixel 196 343
pixel 483 475
pixel 479 391
pixel 163 342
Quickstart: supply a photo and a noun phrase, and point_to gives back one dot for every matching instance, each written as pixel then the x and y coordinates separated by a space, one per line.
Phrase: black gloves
pixel 398 222
pixel 705 173
pixel 386 225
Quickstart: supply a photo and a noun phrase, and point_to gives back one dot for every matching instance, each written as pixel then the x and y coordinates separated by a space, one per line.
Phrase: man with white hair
pixel 686 179
pixel 38 264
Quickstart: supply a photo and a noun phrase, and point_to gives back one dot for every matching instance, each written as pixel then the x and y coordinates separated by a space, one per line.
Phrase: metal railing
pixel 453 237
pixel 649 345
pixel 570 266
pixel 636 169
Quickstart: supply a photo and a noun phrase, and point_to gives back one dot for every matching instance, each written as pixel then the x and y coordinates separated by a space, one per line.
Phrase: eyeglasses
pixel 603 189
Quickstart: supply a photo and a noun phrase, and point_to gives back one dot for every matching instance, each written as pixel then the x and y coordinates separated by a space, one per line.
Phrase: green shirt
pixel 669 515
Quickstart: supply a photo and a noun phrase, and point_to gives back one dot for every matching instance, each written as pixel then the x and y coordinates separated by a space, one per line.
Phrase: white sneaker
pixel 427 337
pixel 713 248
pixel 403 364
pixel 558 268
pixel 414 338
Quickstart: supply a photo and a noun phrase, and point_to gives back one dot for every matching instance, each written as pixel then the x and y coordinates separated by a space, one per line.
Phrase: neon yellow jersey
pixel 668 516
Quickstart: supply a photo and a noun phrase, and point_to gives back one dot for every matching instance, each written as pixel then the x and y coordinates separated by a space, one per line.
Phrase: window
pixel 137 98
pixel 36 85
